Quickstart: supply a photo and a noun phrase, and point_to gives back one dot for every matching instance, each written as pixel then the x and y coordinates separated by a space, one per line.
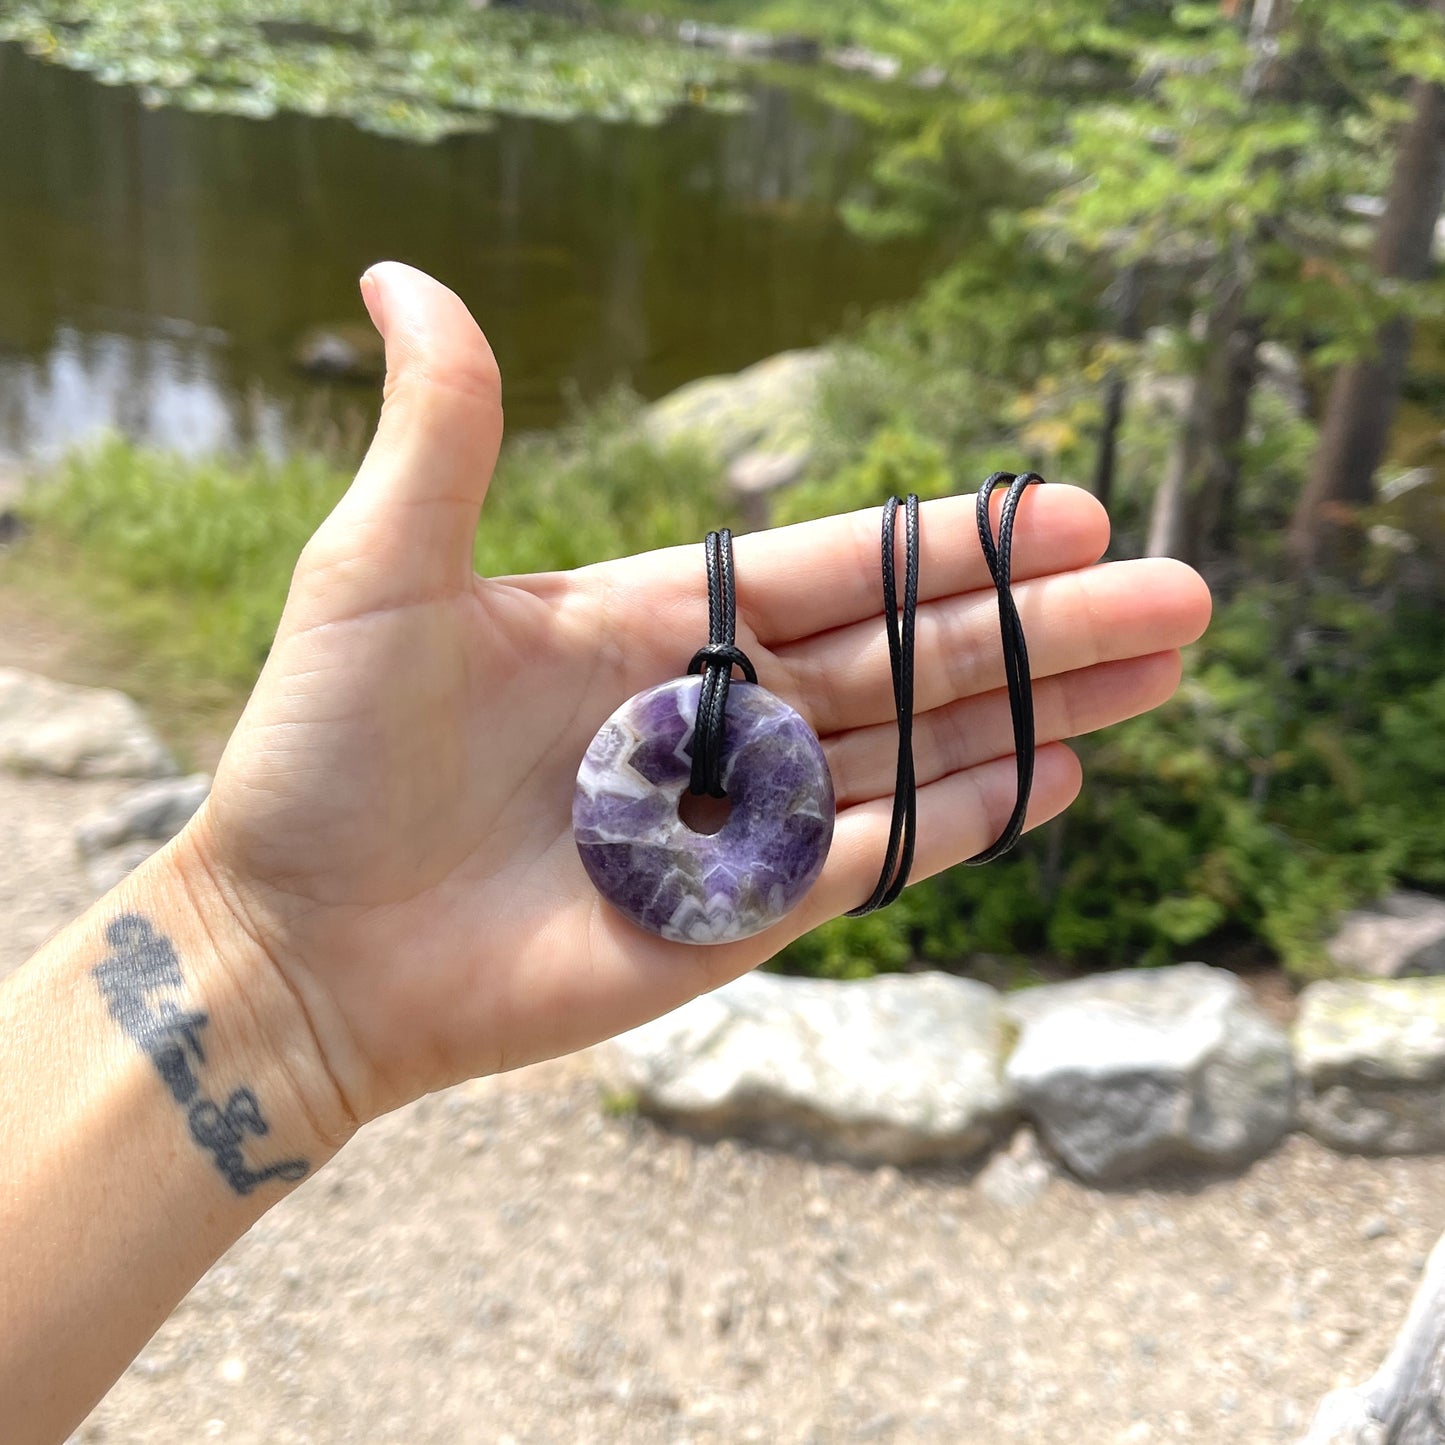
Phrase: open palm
pixel 392 818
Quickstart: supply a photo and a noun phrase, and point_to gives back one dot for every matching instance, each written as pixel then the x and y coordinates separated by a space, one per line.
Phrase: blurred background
pixel 1178 253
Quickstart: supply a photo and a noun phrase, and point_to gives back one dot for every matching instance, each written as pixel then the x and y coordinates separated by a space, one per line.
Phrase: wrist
pixel 161 1092
pixel 192 986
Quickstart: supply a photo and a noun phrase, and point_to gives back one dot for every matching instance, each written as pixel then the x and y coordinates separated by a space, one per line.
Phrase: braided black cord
pixel 716 662
pixel 898 860
pixel 1015 649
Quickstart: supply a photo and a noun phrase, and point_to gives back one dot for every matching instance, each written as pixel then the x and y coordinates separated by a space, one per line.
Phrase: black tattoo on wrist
pixel 143 963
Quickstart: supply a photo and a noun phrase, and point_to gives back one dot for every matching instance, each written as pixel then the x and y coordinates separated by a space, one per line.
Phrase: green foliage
pixel 416 72
pixel 995 367
pixel 1298 771
pixel 839 20
pixel 597 488
pixel 1158 135
pixel 190 561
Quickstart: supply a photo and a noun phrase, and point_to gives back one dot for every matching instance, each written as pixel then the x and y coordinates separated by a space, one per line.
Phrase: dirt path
pixel 41 882
pixel 504 1263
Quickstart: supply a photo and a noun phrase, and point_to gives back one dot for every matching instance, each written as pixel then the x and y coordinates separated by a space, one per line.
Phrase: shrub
pixel 189 561
pixel 1298 771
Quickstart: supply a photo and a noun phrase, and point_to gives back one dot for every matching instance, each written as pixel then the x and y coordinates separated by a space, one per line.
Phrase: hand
pixel 392 819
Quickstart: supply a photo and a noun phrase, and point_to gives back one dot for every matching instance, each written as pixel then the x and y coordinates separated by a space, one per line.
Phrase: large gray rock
pixel 1371 1062
pixel 12 491
pixel 757 423
pixel 1127 1072
pixel 1401 935
pixel 154 812
pixel 348 350
pixel 1159 385
pixel 105 870
pixel 75 732
pixel 895 1069
pixel 115 841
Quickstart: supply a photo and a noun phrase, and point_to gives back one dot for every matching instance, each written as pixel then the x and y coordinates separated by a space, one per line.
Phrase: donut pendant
pixel 694 887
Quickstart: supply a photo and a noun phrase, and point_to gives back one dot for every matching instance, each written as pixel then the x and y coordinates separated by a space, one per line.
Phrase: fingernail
pixel 371 296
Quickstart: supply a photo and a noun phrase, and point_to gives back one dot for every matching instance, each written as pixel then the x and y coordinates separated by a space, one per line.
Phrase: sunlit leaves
pixel 418 75
pixel 1150 139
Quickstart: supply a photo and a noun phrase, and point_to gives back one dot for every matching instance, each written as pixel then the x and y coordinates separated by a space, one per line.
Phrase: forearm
pixel 161 1090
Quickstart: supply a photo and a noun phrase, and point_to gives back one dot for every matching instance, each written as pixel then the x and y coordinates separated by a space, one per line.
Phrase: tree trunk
pixel 1403 1403
pixel 1237 372
pixel 1363 395
pixel 1105 459
pixel 1171 533
pixel 1194 509
pixel 1197 501
pixel 1116 385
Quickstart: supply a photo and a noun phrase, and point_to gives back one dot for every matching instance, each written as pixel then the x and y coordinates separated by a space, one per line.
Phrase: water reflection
pixel 166 389
pixel 157 268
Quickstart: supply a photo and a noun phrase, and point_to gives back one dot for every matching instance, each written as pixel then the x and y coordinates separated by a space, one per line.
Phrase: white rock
pixel 765 408
pixel 896 1069
pixel 865 62
pixel 1126 1072
pixel 1402 934
pixel 75 732
pixel 1371 1062
pixel 1017 1176
pixel 107 869
pixel 759 472
pixel 155 811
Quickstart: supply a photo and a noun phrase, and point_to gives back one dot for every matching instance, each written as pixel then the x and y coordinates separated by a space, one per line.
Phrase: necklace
pixel 707 735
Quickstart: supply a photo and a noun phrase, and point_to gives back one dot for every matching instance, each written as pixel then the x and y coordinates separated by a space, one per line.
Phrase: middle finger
pixel 841 679
pixel 974 730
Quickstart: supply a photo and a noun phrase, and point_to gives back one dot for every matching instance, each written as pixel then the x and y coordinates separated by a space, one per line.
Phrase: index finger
pixel 809 578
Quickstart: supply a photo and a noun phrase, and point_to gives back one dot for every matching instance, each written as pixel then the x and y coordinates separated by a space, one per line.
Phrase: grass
pixel 178 569
pixel 180 565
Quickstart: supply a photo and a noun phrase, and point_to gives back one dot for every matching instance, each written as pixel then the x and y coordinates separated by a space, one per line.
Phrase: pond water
pixel 157 267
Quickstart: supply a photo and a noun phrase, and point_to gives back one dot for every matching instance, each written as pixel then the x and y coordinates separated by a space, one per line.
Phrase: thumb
pixel 405 527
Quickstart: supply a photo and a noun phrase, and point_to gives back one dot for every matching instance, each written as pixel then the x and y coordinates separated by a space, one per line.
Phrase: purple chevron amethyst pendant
pixel 693 887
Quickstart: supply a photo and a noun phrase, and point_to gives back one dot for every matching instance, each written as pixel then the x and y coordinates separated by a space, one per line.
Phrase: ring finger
pixel 841 680
pixel 974 730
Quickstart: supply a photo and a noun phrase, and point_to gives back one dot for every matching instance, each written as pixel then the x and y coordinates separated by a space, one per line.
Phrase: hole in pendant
pixel 703 814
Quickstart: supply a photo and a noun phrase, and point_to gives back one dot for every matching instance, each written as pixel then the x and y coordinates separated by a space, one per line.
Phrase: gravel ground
pixel 505 1263
pixel 41 882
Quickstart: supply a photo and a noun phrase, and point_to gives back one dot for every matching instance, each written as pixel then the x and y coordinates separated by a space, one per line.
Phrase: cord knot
pixel 722 654
pixel 715 662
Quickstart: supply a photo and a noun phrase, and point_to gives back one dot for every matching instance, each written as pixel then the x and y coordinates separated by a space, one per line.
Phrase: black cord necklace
pixel 715 662
pixel 707 735
pixel 898 859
